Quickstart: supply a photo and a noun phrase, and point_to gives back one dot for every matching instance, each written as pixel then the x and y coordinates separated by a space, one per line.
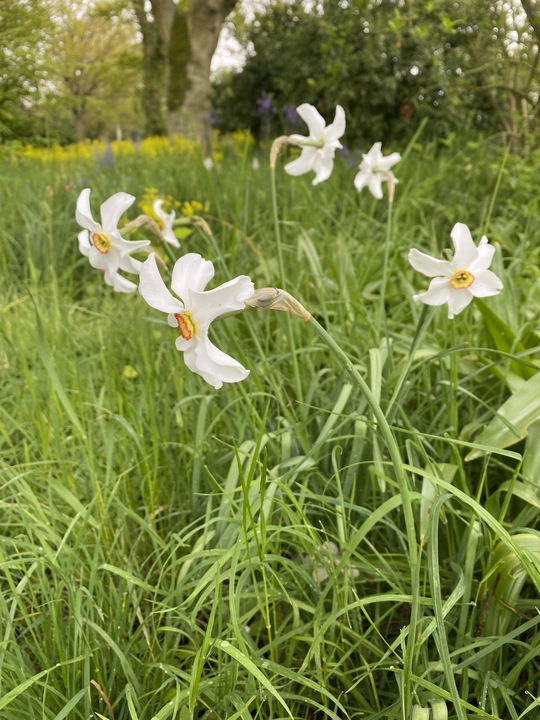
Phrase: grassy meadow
pixel 292 546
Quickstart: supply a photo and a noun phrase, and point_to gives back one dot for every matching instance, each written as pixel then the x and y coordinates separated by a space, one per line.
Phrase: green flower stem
pixel 277 231
pixel 281 267
pixel 382 294
pixel 386 432
pixel 401 385
pixel 405 493
pixel 454 379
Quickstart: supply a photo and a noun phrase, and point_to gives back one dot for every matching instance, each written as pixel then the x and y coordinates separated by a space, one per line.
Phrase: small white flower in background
pixel 165 223
pixel 319 148
pixel 208 163
pixel 195 310
pixel 375 169
pixel 458 281
pixel 102 243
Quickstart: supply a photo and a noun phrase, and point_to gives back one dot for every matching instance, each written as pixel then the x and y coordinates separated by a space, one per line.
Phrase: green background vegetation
pixel 169 551
pixel 172 551
pixel 69 71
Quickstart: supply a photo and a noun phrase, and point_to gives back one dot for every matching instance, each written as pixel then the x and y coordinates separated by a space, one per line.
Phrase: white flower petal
pixel 104 261
pixel 313 119
pixel 167 220
pixel 336 129
pixel 303 164
pixel 458 301
pixel 485 256
pixel 120 283
pixel 191 273
pixel 485 284
pixel 156 207
pixel 213 365
pixel 374 154
pixel 153 289
pixel 385 163
pixel 129 264
pixel 323 167
pixel 228 297
pixel 84 242
pixel 170 237
pixel 438 292
pixel 361 180
pixel 112 209
pixel 466 251
pixel 430 266
pixel 375 185
pixel 126 247
pixel 83 214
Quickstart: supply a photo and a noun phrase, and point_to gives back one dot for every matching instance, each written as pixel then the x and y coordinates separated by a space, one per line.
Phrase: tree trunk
pixel 533 16
pixel 154 75
pixel 178 50
pixel 190 69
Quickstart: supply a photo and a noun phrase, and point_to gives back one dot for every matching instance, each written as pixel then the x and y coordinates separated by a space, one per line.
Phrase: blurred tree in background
pixel 69 70
pixel 88 68
pixel 461 64
pixel 23 28
pixel 93 65
pixel 179 40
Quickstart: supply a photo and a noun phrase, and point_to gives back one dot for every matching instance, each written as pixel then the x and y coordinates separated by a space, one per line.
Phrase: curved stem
pixel 385 429
pixel 405 493
pixel 277 231
pixel 401 385
pixel 281 269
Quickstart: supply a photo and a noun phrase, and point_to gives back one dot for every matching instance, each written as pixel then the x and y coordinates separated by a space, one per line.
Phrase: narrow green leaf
pixel 71 704
pixel 254 670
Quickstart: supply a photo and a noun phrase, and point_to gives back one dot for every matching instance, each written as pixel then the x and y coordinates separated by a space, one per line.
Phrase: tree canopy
pixel 461 64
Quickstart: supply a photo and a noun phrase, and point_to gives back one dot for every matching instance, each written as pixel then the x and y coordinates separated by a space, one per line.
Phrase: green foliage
pixel 23 27
pixel 94 63
pixel 390 65
pixel 169 551
pixel 179 52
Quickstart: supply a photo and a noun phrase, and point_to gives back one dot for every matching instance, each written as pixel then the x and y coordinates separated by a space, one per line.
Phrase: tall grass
pixel 168 551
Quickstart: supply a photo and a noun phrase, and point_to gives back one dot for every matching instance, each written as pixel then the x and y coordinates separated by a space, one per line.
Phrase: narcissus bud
pixel 276 299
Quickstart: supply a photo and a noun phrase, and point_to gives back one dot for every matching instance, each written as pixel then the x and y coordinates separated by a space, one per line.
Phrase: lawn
pixel 347 533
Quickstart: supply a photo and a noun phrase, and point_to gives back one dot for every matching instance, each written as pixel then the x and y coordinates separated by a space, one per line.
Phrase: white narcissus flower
pixel 375 169
pixel 195 310
pixel 319 148
pixel 165 222
pixel 102 243
pixel 458 281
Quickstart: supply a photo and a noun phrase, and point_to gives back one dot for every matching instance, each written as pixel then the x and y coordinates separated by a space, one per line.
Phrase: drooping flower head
pixel 102 243
pixel 375 169
pixel 457 281
pixel 193 311
pixel 318 149
pixel 165 223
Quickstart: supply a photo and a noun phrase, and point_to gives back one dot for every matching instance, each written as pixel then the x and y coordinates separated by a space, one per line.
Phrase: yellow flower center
pixel 461 279
pixel 186 326
pixel 161 223
pixel 101 242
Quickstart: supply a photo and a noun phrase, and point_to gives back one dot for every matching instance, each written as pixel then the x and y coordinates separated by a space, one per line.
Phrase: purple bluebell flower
pixel 265 105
